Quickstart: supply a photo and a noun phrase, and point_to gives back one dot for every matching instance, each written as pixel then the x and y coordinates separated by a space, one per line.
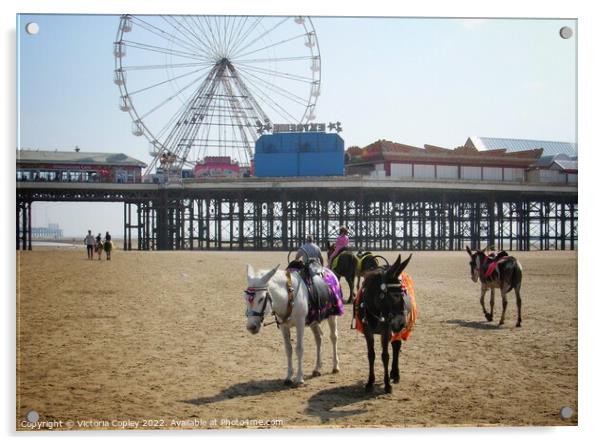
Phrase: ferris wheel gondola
pixel 198 86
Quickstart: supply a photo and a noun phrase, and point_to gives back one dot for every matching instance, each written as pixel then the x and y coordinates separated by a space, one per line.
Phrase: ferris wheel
pixel 198 86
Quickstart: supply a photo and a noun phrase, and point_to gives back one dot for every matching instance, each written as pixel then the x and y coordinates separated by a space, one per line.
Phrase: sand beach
pixel 158 340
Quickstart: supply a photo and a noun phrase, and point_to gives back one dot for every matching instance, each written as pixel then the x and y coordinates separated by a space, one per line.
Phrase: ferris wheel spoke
pixel 280 74
pixel 170 123
pixel 230 34
pixel 279 109
pixel 160 49
pixel 210 35
pixel 165 65
pixel 207 35
pixel 281 42
pixel 239 33
pixel 170 98
pixel 276 89
pixel 220 34
pixel 189 35
pixel 274 59
pixel 273 104
pixel 195 28
pixel 242 38
pixel 189 46
pixel 181 76
pixel 252 42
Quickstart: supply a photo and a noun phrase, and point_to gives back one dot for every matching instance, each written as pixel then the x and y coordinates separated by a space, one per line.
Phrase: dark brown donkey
pixel 499 271
pixel 383 312
pixel 346 267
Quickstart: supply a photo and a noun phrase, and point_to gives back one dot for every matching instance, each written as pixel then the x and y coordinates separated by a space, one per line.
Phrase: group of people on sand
pixel 98 245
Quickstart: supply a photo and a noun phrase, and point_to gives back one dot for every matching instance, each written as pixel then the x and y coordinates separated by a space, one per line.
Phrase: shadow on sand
pixel 484 325
pixel 326 404
pixel 246 389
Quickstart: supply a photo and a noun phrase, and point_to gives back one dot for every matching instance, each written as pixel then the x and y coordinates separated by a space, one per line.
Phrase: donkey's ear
pixel 267 277
pixel 250 271
pixel 393 270
pixel 469 251
pixel 403 265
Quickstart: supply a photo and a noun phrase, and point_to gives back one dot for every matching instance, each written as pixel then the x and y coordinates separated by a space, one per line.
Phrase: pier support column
pixel 162 215
pixel 23 223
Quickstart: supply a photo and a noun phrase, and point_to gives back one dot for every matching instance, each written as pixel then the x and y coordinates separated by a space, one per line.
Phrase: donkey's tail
pixel 517 276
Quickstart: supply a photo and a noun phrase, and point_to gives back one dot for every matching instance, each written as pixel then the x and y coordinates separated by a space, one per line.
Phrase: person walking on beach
pixel 98 246
pixel 89 240
pixel 108 245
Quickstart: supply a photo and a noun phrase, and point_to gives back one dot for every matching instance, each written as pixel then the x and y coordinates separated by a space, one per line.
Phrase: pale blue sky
pixel 415 81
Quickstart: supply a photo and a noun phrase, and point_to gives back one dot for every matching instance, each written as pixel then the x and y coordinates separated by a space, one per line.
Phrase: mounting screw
pixel 566 412
pixel 566 32
pixel 32 28
pixel 32 416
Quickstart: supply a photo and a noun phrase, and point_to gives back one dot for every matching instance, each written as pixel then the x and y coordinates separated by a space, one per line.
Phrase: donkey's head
pixel 257 297
pixel 476 260
pixel 383 294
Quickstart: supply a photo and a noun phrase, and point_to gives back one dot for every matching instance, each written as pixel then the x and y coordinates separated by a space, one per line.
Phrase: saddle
pixel 335 261
pixel 312 274
pixel 366 258
pixel 492 261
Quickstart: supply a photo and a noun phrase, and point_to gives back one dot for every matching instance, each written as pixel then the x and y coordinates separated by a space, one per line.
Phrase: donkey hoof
pixel 288 382
pixel 489 317
pixel 501 323
pixel 388 389
pixel 335 370
pixel 518 324
pixel 316 374
pixel 369 387
pixel 395 379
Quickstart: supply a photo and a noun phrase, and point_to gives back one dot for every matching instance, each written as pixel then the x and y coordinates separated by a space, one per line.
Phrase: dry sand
pixel 160 336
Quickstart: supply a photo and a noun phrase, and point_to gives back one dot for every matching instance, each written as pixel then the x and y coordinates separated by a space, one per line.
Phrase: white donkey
pixel 286 296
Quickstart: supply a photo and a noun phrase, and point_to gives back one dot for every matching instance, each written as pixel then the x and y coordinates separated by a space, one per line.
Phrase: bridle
pixel 384 292
pixel 476 264
pixel 250 292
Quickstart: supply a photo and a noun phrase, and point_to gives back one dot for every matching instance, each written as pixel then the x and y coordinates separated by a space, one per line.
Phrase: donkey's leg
pixel 288 348
pixel 504 305
pixel 492 301
pixel 350 281
pixel 299 349
pixel 483 292
pixel 395 365
pixel 334 336
pixel 315 328
pixel 385 339
pixel 371 356
pixel 518 306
